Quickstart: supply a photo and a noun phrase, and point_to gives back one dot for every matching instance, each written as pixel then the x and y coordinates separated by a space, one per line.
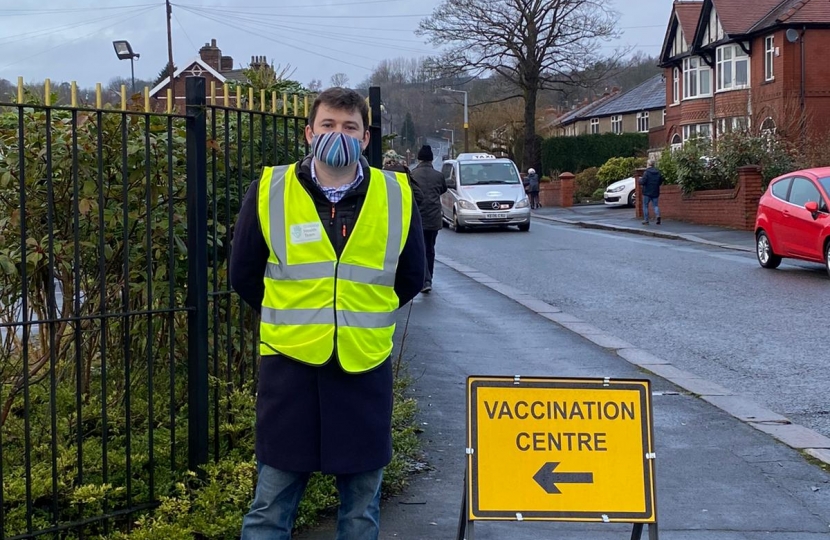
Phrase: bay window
pixel 675 89
pixel 732 67
pixel 697 78
pixel 697 130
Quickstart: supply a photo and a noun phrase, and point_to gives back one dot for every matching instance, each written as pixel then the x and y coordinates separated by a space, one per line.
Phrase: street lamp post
pixel 466 117
pixel 124 51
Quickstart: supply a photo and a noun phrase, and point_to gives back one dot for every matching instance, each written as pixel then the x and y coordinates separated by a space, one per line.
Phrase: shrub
pixel 575 154
pixel 667 165
pixel 586 183
pixel 619 168
pixel 598 194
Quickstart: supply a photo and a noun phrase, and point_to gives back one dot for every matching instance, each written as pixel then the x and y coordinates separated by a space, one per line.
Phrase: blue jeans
pixel 653 200
pixel 278 495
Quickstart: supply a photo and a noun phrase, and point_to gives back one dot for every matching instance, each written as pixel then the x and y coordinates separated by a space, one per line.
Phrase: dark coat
pixel 651 182
pixel 321 418
pixel 533 182
pixel 432 185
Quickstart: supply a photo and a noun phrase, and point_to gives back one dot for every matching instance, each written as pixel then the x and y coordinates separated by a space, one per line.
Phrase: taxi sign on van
pixel 464 157
pixel 558 449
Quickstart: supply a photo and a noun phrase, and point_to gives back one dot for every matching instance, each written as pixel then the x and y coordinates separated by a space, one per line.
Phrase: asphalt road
pixel 710 311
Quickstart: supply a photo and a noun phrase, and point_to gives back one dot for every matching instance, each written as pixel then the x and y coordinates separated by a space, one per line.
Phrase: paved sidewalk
pixel 717 477
pixel 623 220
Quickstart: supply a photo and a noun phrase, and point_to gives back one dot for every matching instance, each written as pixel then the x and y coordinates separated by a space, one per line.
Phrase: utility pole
pixel 170 67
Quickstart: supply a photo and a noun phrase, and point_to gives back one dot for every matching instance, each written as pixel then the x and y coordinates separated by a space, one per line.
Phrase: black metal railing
pixel 121 342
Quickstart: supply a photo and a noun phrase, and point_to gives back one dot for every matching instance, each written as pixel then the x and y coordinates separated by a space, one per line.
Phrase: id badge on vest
pixel 303 233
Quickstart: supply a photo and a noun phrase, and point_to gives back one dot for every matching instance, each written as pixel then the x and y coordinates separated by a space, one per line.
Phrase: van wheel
pixel 766 257
pixel 455 225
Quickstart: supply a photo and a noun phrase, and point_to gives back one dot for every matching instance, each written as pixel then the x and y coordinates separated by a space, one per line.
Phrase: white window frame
pixel 727 60
pixel 664 117
pixel 769 58
pixel 642 121
pixel 617 124
pixel 700 130
pixel 676 142
pixel 694 69
pixel 594 126
pixel 675 89
pixel 731 124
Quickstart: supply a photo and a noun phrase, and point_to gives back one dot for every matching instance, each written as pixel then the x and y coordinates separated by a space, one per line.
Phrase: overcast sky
pixel 68 40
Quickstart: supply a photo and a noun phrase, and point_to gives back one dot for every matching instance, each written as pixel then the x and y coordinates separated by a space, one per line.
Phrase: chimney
pixel 211 55
pixel 226 64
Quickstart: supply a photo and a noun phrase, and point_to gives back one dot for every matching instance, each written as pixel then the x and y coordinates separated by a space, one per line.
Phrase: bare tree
pixel 534 44
pixel 315 86
pixel 339 79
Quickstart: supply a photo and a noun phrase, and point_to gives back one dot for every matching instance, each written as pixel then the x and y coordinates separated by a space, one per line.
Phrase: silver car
pixel 484 191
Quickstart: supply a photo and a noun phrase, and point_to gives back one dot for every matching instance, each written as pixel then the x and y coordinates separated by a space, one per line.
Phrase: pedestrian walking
pixel 432 185
pixel 326 250
pixel 393 161
pixel 650 183
pixel 533 187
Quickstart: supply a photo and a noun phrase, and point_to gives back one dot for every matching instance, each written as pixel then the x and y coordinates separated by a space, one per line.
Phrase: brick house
pixel 211 65
pixel 745 65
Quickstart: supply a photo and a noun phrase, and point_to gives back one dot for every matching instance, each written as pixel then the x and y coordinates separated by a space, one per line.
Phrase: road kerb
pixel 779 427
pixel 644 232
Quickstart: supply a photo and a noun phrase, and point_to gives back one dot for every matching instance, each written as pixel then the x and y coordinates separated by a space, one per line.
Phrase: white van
pixel 484 191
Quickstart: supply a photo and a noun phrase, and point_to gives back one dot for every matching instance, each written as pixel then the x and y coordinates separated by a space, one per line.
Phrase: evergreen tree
pixel 408 131
pixel 164 73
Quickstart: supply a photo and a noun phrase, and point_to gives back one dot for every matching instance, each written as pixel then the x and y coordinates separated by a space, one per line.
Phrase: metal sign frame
pixel 470 510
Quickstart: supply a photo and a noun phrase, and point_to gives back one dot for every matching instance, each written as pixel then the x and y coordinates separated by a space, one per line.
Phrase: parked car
pixel 484 191
pixel 620 193
pixel 793 219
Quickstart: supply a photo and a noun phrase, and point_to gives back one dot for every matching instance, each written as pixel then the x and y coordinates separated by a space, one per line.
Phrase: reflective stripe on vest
pixel 311 298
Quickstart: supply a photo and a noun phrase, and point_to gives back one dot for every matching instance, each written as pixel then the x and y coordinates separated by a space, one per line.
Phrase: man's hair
pixel 650 163
pixel 341 99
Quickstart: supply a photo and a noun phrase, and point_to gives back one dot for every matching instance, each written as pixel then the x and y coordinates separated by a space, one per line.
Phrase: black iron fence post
pixel 197 274
pixel 375 131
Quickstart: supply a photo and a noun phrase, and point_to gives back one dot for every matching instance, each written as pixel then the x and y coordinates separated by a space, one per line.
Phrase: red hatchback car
pixel 793 219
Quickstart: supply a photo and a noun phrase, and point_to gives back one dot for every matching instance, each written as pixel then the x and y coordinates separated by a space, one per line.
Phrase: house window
pixel 642 121
pixel 697 78
pixel 676 142
pixel 769 55
pixel 733 67
pixel 675 88
pixel 616 124
pixel 664 117
pixel 697 130
pixel 594 126
pixel 768 127
pixel 735 124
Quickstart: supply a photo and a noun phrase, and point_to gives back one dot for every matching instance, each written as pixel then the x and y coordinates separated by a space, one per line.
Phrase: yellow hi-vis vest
pixel 313 300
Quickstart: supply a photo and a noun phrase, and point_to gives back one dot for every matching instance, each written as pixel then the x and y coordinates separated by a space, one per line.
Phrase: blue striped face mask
pixel 336 149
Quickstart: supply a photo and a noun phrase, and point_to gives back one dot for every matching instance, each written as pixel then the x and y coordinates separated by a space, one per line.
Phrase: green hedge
pixel 573 154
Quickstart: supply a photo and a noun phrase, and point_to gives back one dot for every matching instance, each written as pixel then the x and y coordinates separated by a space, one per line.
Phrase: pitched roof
pixel 649 95
pixel 202 64
pixel 796 12
pixel 688 14
pixel 739 16
pixel 582 112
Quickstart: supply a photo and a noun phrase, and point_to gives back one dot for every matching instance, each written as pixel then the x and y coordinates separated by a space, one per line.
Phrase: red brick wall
pixel 733 208
pixel 559 192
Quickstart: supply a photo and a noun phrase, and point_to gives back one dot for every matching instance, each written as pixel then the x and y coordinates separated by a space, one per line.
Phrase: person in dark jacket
pixel 321 417
pixel 432 185
pixel 650 183
pixel 533 188
pixel 392 161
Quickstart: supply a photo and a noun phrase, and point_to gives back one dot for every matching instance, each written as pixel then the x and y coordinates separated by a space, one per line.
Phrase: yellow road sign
pixel 560 450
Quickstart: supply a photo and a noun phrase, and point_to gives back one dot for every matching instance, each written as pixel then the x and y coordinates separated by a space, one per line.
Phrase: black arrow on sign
pixel 548 479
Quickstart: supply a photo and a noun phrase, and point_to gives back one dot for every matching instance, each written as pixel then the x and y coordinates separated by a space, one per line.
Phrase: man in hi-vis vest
pixel 326 250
